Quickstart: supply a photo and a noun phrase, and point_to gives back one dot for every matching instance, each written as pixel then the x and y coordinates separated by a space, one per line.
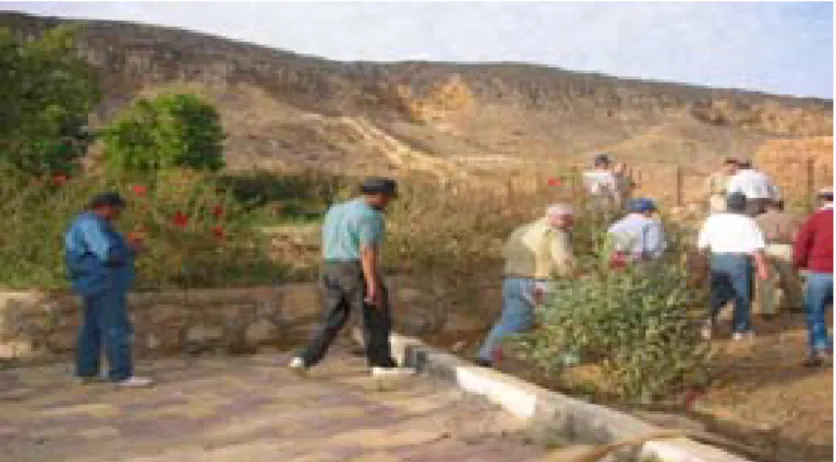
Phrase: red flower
pixel 217 211
pixel 554 182
pixel 218 232
pixel 59 179
pixel 139 189
pixel 180 219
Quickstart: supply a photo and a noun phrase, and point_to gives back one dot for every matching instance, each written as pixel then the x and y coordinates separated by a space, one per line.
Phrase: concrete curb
pixel 557 413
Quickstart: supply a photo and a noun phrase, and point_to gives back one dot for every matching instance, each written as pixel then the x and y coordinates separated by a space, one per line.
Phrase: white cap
pixel 556 210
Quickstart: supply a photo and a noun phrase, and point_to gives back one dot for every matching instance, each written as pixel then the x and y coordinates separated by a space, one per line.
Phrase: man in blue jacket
pixel 100 264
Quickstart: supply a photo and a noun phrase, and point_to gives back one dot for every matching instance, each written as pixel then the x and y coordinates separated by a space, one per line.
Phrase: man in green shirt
pixel 351 238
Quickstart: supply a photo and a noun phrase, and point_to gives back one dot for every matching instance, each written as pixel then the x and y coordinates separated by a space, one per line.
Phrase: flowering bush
pixel 194 234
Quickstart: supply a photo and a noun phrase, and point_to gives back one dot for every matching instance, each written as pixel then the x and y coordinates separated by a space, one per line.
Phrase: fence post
pixel 811 184
pixel 679 185
pixel 573 181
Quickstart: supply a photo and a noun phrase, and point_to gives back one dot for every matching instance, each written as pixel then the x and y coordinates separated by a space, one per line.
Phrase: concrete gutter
pixel 555 413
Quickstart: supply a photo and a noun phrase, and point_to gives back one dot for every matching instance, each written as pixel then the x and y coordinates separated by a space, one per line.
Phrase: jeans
pixel 517 314
pixel 343 290
pixel 105 320
pixel 817 296
pixel 731 280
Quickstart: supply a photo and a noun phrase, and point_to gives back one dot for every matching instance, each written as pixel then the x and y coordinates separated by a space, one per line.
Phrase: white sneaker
pixel 738 336
pixel 392 371
pixel 136 382
pixel 298 366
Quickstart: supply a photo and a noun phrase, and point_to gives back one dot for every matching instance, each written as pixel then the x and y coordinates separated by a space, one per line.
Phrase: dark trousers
pixel 105 321
pixel 343 289
pixel 731 280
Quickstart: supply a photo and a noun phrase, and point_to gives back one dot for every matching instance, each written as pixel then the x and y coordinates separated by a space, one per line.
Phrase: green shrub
pixel 46 94
pixel 195 235
pixel 173 130
pixel 635 323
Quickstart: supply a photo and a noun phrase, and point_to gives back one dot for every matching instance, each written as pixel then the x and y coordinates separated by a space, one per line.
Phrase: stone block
pixel 204 334
pixel 260 332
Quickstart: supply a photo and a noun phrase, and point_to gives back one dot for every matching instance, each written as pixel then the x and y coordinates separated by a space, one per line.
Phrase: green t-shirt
pixel 348 227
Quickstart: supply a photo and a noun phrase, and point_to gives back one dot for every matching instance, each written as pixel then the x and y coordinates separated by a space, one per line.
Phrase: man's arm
pixel 371 234
pixel 655 244
pixel 803 244
pixel 759 244
pixel 563 261
pixel 100 244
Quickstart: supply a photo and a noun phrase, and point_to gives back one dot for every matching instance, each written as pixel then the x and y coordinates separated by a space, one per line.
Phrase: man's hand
pixel 763 273
pixel 372 294
pixel 136 241
pixel 539 295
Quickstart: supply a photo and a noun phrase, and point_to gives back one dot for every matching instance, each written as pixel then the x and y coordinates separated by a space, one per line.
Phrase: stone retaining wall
pixel 38 324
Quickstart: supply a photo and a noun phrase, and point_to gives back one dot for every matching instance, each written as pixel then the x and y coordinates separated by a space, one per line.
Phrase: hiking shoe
pixel 136 382
pixel 297 366
pixel 88 380
pixel 738 336
pixel 381 372
pixel 483 362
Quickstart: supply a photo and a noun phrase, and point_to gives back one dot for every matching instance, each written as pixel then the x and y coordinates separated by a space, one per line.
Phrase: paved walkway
pixel 250 409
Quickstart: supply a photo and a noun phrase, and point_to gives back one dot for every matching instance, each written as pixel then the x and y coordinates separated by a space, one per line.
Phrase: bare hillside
pixel 283 109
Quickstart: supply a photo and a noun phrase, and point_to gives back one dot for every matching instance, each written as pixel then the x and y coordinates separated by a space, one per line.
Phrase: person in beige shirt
pixel 717 186
pixel 783 289
pixel 534 253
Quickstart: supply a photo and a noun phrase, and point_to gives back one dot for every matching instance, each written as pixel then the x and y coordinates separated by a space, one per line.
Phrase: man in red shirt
pixel 814 252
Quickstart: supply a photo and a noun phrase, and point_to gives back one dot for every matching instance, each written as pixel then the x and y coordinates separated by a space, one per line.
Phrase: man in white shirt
pixel 600 184
pixel 736 244
pixel 639 235
pixel 756 186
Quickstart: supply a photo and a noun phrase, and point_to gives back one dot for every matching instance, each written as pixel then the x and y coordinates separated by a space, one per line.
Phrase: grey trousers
pixel 342 290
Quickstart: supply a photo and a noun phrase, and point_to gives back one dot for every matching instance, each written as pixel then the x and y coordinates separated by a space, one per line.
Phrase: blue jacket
pixel 98 258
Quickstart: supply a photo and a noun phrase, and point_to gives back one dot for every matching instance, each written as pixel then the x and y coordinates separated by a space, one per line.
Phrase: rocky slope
pixel 283 109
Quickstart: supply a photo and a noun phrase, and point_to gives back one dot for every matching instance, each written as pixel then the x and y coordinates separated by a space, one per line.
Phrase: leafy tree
pixel 46 94
pixel 172 130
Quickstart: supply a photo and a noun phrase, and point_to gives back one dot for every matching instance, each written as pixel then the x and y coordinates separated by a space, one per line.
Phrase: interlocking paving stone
pixel 249 409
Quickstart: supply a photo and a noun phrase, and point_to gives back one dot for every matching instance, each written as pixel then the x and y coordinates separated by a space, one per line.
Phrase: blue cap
pixel 641 205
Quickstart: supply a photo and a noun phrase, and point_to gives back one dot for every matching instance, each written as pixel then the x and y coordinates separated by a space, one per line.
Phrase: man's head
pixel 736 203
pixel 730 166
pixel 560 216
pixel 826 195
pixel 108 205
pixel 641 205
pixel 379 191
pixel 602 161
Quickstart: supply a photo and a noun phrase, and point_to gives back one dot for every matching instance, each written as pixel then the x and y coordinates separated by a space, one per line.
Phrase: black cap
pixel 376 185
pixel 602 159
pixel 105 199
pixel 736 202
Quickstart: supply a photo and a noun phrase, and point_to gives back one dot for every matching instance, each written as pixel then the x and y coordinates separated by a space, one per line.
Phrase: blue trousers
pixel 105 321
pixel 517 314
pixel 731 280
pixel 818 295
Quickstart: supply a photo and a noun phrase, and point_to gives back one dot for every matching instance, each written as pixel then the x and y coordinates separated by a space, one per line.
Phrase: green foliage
pixel 46 95
pixel 173 130
pixel 634 322
pixel 301 196
pixel 212 245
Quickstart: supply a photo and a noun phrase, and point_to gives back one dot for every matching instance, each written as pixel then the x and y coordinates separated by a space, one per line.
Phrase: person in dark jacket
pixel 813 251
pixel 100 265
